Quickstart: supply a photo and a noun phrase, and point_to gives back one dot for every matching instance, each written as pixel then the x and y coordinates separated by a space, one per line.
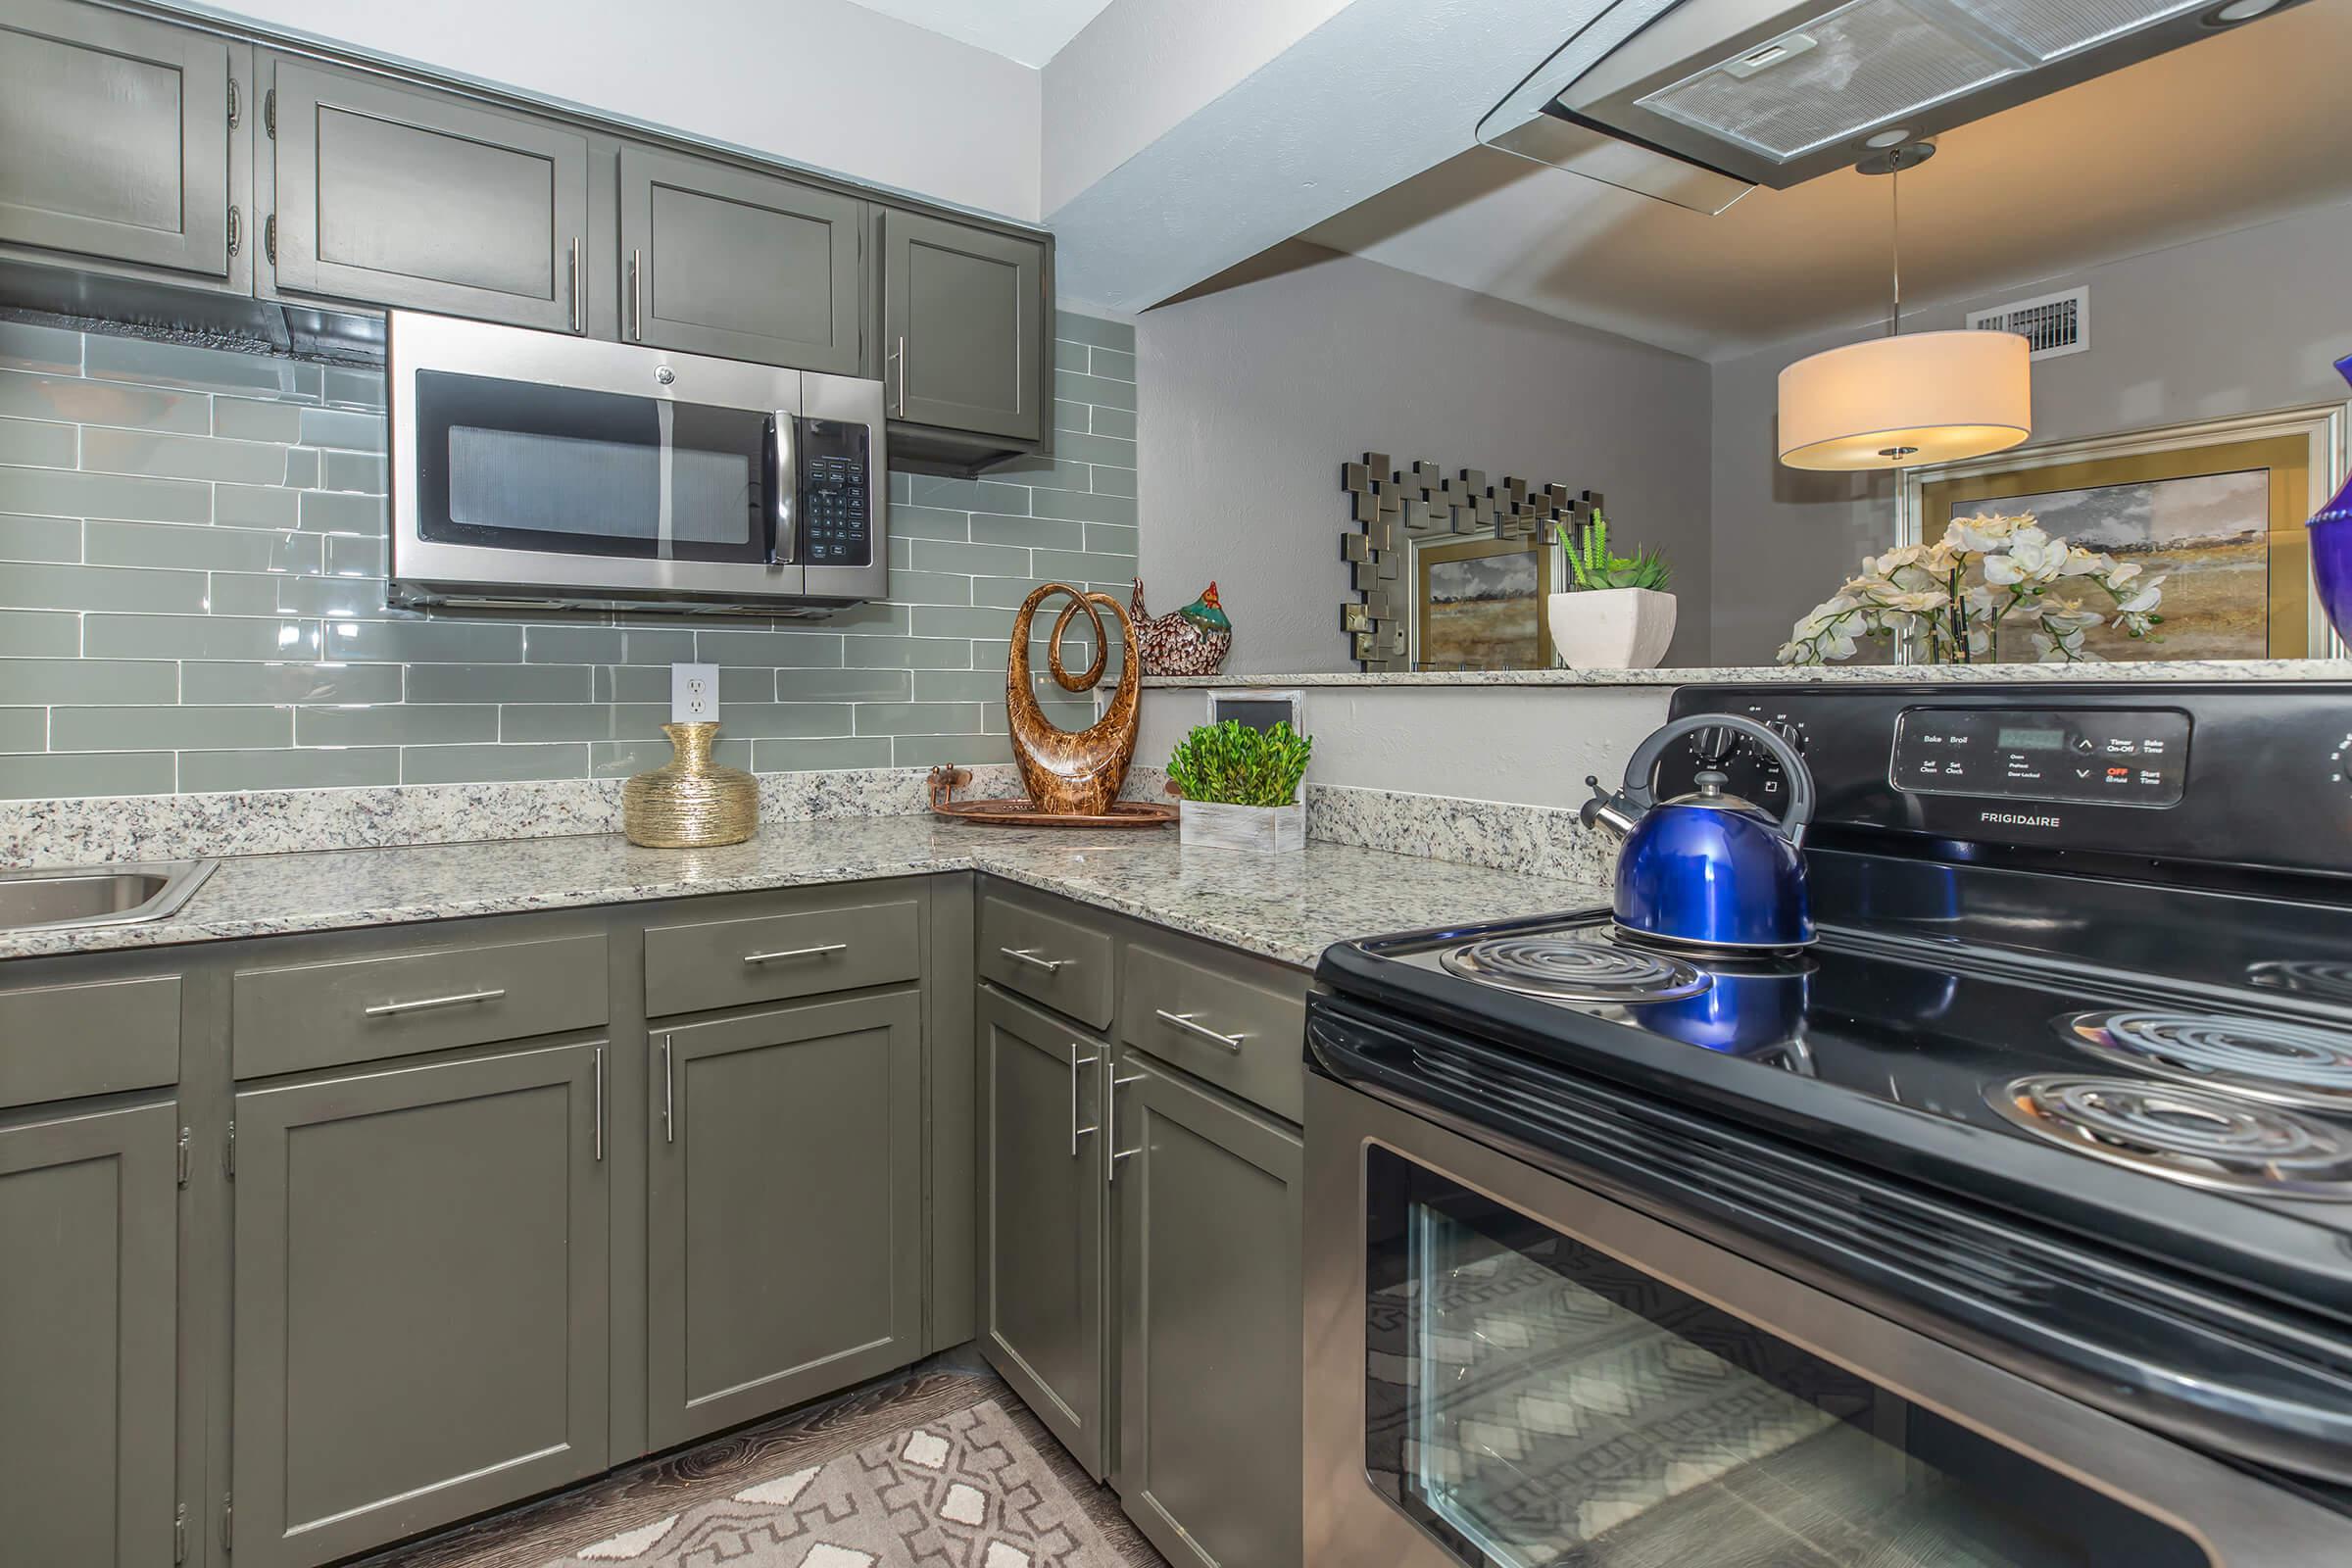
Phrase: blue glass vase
pixel 2332 547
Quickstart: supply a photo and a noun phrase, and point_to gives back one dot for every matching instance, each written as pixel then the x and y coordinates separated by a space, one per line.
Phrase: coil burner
pixel 2190 1135
pixel 2285 1063
pixel 1565 968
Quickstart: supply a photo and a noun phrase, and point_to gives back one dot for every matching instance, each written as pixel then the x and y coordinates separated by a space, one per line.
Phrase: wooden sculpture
pixel 1072 772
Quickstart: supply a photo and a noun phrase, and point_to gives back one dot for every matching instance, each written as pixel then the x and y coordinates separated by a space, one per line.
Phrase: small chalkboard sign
pixel 1257 710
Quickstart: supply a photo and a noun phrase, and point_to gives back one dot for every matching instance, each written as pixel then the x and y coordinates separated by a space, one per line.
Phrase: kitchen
pixel 524 1042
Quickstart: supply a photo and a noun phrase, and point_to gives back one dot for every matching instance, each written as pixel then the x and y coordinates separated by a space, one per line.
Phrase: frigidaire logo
pixel 2015 819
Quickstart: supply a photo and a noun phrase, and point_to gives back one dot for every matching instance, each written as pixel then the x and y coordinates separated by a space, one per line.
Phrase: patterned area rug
pixel 963 1490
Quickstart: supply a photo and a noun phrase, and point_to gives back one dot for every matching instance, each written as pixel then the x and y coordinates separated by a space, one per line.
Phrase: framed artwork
pixel 1478 602
pixel 2216 507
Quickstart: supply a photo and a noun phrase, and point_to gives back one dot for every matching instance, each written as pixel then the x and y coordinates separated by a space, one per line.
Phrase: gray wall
pixel 2243 322
pixel 1261 391
pixel 192 595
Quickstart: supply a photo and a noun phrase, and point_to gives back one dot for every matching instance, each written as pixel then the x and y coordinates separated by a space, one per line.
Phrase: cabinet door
pixel 420 1297
pixel 396 196
pixel 1042 1218
pixel 719 260
pixel 89 1229
pixel 1210 1323
pixel 964 323
pixel 113 138
pixel 785 1209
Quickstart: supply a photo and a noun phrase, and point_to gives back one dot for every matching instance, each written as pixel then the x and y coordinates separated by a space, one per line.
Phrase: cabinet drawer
pixel 1243 1034
pixel 364 1010
pixel 1057 962
pixel 721 963
pixel 60 1042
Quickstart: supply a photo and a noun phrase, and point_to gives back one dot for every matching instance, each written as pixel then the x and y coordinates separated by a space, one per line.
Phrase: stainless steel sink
pixel 98 895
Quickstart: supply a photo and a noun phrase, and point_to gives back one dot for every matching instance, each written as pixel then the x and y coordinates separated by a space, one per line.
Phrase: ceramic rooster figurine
pixel 1193 641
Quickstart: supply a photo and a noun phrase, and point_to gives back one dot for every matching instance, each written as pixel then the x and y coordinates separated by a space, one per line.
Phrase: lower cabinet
pixel 421 1297
pixel 785 1209
pixel 1209 1364
pixel 88 1317
pixel 1043 1206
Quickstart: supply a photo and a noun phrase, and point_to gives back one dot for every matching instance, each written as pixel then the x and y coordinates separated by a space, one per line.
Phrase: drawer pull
pixel 1028 955
pixel 796 953
pixel 390 1009
pixel 1192 1025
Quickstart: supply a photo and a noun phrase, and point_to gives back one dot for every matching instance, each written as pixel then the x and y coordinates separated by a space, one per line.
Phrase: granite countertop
pixel 1285 907
pixel 2300 669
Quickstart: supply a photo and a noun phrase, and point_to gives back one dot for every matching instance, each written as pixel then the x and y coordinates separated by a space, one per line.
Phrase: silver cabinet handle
pixel 579 295
pixel 637 295
pixel 1077 1132
pixel 1028 955
pixel 599 1104
pixel 900 356
pixel 669 1126
pixel 797 952
pixel 1190 1024
pixel 390 1009
pixel 1110 1117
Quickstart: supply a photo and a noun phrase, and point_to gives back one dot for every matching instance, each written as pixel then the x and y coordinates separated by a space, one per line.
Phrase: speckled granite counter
pixel 2240 669
pixel 1285 907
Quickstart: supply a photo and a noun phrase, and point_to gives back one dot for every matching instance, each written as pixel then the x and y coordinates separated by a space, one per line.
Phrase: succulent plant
pixel 1594 566
pixel 1233 764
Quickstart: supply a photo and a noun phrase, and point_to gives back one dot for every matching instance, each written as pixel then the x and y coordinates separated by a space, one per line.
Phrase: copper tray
pixel 1025 813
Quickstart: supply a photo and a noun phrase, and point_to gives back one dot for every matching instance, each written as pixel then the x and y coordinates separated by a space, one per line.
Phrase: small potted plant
pixel 1616 614
pixel 1241 786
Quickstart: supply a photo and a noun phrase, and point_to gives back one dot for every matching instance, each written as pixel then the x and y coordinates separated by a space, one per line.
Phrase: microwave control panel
pixel 837 502
pixel 2110 757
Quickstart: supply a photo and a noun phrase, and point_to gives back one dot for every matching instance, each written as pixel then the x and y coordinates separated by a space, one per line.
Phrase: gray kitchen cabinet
pixel 394 195
pixel 1210 1366
pixel 1043 1212
pixel 115 136
pixel 721 259
pixel 421 1297
pixel 88 1322
pixel 963 327
pixel 785 1211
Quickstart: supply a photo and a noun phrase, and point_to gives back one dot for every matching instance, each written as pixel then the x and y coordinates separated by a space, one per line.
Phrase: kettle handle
pixel 1644 765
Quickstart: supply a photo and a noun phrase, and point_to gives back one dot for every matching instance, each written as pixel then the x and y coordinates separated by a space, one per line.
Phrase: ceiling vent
pixel 2055 325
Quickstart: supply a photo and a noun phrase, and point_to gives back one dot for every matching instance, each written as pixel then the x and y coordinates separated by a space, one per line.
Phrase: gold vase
pixel 690 802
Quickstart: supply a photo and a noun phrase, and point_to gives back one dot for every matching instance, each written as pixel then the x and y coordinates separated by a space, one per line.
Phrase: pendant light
pixel 1892 402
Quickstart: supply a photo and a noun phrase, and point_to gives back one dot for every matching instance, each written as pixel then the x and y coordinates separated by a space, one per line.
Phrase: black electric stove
pixel 2070 1065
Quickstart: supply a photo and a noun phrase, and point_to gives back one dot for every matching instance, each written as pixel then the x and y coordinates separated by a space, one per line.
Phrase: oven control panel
pixel 2113 756
pixel 837 526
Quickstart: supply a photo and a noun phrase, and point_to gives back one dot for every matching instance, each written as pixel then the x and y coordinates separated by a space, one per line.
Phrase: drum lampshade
pixel 1902 402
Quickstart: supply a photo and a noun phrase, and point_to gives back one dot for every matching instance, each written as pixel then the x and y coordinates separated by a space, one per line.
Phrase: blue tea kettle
pixel 1709 869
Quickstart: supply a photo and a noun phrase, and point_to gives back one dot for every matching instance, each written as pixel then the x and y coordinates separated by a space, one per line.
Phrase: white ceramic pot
pixel 1219 826
pixel 1610 628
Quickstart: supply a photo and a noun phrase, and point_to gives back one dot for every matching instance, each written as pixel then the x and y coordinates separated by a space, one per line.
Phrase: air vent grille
pixel 2054 28
pixel 2054 324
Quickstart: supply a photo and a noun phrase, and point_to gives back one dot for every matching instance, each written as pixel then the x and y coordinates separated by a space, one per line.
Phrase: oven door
pixel 1506 1369
pixel 528 464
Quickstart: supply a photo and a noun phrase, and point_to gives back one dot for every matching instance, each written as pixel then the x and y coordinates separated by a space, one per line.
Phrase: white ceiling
pixel 2230 132
pixel 1030 32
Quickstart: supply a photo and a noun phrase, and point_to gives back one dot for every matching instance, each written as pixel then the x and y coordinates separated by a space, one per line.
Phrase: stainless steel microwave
pixel 536 468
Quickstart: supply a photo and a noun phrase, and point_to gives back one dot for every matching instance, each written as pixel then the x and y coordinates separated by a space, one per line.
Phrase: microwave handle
pixel 783 487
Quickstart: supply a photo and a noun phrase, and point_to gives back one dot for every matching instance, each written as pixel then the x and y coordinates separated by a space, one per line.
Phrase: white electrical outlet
pixel 694 694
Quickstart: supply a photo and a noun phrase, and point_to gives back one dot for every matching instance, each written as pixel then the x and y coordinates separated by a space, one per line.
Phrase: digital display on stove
pixel 2105 757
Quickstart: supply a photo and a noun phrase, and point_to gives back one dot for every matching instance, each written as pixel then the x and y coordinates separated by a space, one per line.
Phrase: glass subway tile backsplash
pixel 192 595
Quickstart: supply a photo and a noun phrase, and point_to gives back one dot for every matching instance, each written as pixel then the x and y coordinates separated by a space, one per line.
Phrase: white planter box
pixel 1610 628
pixel 1241 827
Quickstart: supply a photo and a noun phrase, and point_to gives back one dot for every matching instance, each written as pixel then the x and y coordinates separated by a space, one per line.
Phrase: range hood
pixel 1697 101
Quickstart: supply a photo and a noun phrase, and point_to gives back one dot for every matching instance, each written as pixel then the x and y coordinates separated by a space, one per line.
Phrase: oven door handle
pixel 781 471
pixel 2221 1371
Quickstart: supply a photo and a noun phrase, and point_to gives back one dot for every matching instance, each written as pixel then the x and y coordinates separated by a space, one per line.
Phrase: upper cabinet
pixel 963 327
pixel 720 260
pixel 392 195
pixel 115 137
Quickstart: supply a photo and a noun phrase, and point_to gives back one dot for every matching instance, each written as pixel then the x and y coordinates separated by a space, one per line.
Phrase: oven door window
pixel 1531 1400
pixel 558 471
